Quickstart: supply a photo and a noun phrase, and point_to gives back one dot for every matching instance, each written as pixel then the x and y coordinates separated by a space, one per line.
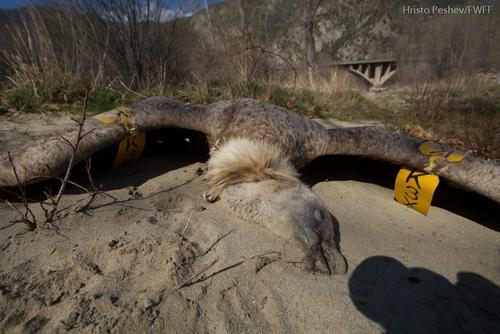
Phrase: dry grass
pixel 48 62
pixel 51 55
pixel 431 100
pixel 463 112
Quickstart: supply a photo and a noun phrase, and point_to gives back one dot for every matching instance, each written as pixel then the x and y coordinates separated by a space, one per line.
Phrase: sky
pixel 14 3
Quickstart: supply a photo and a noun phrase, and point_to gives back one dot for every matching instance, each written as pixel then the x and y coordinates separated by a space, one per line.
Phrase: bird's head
pixel 261 185
pixel 292 211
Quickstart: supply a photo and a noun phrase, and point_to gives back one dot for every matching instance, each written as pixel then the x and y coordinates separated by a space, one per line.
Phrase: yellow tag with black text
pixel 415 189
pixel 129 149
pixel 437 153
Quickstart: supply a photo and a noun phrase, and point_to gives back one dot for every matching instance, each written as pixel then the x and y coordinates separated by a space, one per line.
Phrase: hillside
pixel 339 30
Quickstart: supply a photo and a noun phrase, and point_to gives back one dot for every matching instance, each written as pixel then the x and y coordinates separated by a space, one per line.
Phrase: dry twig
pixel 27 217
pixel 192 277
pixel 54 202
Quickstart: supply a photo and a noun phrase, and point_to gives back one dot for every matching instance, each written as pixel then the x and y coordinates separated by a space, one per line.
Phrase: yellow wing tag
pixel 131 147
pixel 438 153
pixel 117 116
pixel 415 189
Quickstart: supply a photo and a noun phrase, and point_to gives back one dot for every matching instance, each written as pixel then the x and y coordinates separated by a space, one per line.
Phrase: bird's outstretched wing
pixel 462 170
pixel 49 157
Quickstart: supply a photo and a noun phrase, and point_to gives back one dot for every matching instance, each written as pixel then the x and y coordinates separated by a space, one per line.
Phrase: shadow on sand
pixel 417 300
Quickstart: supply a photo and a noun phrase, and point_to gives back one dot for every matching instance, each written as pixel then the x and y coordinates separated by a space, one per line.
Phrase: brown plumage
pixel 276 142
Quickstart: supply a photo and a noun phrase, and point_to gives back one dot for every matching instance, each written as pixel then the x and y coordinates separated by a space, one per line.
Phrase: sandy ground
pixel 156 258
pixel 17 128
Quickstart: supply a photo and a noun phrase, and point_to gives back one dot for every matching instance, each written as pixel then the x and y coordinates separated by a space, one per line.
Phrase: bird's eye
pixel 319 216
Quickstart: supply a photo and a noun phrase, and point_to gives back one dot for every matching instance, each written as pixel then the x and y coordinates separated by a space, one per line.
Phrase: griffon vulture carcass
pixel 256 149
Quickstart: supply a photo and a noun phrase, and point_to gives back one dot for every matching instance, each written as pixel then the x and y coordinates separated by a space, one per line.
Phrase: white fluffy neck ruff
pixel 244 160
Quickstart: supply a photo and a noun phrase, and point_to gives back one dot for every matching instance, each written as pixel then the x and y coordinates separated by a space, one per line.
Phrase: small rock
pixel 95 268
pixel 4 290
pixel 114 299
pixel 152 220
pixel 35 324
pixel 146 304
pixel 82 285
pixel 131 190
pixel 112 243
pixel 56 299
pixel 148 301
pixel 72 318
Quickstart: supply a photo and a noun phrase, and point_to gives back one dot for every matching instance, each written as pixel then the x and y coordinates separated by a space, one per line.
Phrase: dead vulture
pixel 256 149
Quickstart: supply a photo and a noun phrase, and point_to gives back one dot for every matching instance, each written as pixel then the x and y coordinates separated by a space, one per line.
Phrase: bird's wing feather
pixel 49 157
pixel 161 112
pixel 470 173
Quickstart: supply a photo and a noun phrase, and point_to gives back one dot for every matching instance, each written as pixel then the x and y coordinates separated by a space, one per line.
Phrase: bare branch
pixel 64 182
pixel 27 217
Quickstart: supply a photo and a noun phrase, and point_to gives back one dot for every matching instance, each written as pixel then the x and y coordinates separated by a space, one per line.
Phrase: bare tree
pixel 311 13
pixel 447 45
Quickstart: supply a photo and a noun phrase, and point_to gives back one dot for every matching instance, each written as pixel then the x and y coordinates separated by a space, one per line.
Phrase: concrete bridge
pixel 373 72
